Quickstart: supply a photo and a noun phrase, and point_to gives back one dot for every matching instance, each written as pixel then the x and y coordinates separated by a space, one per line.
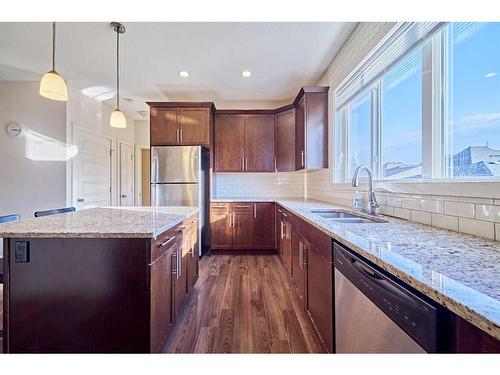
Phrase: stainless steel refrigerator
pixel 180 177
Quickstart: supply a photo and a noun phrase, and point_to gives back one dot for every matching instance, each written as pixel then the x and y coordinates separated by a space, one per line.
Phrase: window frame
pixel 435 62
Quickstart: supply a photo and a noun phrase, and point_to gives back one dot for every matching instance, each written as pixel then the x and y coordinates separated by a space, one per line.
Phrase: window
pixel 425 104
pixel 401 121
pixel 472 125
pixel 359 132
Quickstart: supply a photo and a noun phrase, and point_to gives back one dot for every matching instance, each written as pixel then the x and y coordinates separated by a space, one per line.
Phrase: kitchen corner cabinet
pixel 244 142
pixel 173 124
pixel 242 225
pixel 311 128
pixel 285 140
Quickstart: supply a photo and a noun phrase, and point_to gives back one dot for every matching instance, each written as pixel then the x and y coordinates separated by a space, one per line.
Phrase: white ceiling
pixel 281 56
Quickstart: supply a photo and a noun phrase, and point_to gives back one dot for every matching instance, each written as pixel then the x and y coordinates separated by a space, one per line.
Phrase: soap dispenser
pixel 357 202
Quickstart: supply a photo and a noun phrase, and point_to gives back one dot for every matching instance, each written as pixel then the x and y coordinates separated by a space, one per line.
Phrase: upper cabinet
pixel 286 139
pixel 244 142
pixel 174 124
pixel 311 128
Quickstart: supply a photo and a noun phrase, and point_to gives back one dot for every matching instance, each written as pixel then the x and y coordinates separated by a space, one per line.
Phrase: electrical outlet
pixel 22 252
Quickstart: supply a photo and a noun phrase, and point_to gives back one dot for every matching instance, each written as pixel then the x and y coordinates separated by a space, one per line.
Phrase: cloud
pixel 477 121
pixel 489 75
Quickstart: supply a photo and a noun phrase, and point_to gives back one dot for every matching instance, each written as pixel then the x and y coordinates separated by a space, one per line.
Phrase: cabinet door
pixel 316 128
pixel 220 227
pixel 285 141
pixel 287 246
pixel 164 126
pixel 263 226
pixel 161 300
pixel 193 257
pixel 242 225
pixel 300 134
pixel 180 281
pixel 229 143
pixel 299 254
pixel 320 293
pixel 195 126
pixel 259 143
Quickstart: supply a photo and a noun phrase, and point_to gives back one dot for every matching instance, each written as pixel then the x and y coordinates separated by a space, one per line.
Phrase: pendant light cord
pixel 117 69
pixel 54 46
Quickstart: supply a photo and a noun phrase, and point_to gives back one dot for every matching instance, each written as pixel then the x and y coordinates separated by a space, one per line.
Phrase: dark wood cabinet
pixel 180 123
pixel 311 128
pixel 263 226
pixel 229 143
pixel 285 140
pixel 162 318
pixel 242 225
pixel 299 265
pixel 221 230
pixel 320 291
pixel 285 233
pixel 259 143
pixel 193 256
pixel 163 126
pixel 179 265
pixel 244 143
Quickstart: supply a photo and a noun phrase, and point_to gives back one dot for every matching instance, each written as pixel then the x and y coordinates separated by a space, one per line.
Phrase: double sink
pixel 341 216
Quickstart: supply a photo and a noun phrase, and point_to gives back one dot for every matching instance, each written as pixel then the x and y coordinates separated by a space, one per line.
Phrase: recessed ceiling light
pixel 246 73
pixel 184 74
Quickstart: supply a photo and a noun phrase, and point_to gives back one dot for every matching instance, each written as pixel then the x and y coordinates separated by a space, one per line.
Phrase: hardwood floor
pixel 244 304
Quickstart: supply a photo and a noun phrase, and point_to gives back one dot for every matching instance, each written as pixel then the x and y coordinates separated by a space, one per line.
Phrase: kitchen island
pixel 103 280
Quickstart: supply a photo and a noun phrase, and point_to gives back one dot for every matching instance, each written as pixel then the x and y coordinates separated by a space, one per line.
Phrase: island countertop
pixel 101 222
pixel 459 271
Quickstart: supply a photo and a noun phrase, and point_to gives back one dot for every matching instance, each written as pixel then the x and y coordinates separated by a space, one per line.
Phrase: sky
pixel 474 93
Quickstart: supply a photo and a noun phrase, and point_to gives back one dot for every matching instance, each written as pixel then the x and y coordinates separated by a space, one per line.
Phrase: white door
pixel 91 170
pixel 126 175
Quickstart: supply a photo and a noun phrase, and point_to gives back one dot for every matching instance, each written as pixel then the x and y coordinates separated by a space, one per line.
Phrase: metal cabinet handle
pixel 242 164
pixel 285 215
pixel 166 242
pixel 181 134
pixel 177 135
pixel 300 254
pixel 302 156
pixel 242 206
pixel 255 210
pixel 179 263
pixel 281 229
pixel 275 165
pixel 246 164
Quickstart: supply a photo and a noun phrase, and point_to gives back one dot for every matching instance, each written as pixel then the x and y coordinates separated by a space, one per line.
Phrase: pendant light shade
pixel 52 85
pixel 117 119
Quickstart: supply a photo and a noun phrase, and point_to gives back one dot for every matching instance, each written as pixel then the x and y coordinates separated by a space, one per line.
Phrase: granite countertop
pixel 459 271
pixel 102 222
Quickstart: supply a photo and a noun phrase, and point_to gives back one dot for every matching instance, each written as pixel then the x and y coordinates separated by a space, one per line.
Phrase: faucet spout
pixel 372 200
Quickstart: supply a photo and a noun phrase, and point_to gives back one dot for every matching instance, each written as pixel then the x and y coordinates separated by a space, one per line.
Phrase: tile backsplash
pixel 477 216
pixel 259 185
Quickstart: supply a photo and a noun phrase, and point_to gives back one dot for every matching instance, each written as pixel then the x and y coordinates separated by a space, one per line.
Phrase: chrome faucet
pixel 372 206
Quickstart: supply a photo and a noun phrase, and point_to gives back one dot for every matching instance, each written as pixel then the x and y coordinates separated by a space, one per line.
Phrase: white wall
pixel 142 132
pixel 466 207
pixel 93 115
pixel 29 185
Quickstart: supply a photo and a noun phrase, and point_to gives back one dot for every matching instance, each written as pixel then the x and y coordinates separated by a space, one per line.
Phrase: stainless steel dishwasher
pixel 376 314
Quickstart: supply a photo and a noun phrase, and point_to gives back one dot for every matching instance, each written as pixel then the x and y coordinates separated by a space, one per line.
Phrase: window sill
pixel 469 188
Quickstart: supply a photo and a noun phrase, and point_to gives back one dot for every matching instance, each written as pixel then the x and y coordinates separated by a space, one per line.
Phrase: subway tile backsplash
pixel 472 215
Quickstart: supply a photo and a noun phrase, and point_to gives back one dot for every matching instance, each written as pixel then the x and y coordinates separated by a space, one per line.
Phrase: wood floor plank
pixel 244 304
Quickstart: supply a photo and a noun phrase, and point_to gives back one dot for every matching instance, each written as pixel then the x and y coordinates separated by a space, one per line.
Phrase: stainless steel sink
pixel 340 216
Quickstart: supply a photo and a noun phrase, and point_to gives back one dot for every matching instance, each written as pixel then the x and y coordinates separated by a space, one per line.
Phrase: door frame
pixel 70 165
pixel 138 173
pixel 119 171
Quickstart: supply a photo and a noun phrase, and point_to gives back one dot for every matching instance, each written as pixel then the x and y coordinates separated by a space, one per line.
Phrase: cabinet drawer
pixel 165 241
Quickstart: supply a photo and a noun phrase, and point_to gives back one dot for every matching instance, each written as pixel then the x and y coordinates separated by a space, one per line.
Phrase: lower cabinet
pixel 299 265
pixel 242 225
pixel 173 275
pixel 306 252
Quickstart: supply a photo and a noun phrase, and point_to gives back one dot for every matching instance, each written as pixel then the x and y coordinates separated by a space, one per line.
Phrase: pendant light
pixel 52 85
pixel 117 119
